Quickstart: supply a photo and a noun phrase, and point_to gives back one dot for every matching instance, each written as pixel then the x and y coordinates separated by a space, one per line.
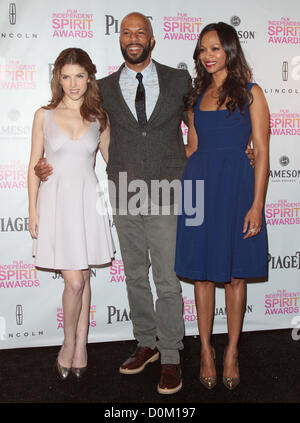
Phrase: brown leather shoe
pixel 170 381
pixel 139 360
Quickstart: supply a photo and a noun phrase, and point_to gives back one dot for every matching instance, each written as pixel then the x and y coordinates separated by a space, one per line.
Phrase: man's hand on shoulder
pixel 42 169
pixel 250 153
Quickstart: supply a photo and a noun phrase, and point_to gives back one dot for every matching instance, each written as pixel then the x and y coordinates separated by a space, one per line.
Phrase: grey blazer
pixel 156 151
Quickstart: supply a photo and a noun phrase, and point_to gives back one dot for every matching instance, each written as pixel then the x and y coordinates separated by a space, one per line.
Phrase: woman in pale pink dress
pixel 68 218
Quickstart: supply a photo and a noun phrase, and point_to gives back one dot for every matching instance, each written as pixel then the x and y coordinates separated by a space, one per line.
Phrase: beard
pixel 141 58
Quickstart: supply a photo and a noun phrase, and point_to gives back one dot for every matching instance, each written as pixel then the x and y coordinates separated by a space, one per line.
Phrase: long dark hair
pixel 238 72
pixel 91 108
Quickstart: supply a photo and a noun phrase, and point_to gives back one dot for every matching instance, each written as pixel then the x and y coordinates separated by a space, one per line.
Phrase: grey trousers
pixel 150 240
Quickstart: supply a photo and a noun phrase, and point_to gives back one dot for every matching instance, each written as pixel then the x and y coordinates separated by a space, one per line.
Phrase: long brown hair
pixel 91 108
pixel 239 73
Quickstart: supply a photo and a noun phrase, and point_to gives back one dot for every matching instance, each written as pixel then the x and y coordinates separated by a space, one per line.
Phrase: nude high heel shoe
pixel 63 372
pixel 78 372
pixel 230 382
pixel 209 381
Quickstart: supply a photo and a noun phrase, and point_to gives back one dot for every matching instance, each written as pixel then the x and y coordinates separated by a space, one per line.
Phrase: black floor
pixel 269 368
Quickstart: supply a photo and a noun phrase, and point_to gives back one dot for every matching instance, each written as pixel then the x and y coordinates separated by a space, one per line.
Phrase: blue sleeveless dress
pixel 215 250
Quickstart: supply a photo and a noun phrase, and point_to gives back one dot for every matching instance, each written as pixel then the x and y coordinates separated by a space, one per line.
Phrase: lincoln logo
pixel 19 314
pixel 285 71
pixel 12 13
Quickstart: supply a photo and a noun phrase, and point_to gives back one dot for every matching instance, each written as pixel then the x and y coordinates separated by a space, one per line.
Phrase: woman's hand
pixel 33 224
pixel 252 222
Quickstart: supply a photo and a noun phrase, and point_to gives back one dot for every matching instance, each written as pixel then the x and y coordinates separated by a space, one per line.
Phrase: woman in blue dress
pixel 230 244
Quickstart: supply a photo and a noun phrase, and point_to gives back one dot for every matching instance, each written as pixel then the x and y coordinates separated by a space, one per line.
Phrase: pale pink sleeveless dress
pixel 74 230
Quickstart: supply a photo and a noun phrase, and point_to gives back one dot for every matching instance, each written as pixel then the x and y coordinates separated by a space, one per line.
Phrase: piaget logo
pixel 291 261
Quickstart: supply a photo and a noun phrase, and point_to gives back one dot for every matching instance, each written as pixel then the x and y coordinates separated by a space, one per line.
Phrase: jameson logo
pixel 244 35
pixel 15 127
pixel 285 174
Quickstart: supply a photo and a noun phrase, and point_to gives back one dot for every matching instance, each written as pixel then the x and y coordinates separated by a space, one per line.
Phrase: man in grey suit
pixel 147 148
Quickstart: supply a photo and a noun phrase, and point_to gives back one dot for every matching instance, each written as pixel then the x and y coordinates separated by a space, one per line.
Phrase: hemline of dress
pixel 82 267
pixel 236 274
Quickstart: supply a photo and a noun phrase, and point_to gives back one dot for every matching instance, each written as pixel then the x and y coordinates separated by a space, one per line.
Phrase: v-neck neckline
pixel 62 132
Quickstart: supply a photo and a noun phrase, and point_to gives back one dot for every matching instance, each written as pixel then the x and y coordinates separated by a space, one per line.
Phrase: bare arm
pixel 259 114
pixel 104 143
pixel 192 138
pixel 37 151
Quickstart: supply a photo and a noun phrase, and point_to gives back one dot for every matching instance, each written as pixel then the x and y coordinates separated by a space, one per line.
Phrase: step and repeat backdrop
pixel 32 34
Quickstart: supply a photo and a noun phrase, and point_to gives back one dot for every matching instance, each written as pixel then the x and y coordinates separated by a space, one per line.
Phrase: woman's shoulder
pixel 40 113
pixel 256 91
pixel 39 116
pixel 253 87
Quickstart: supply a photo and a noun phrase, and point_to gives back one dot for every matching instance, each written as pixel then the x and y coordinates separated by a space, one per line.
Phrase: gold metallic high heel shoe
pixel 63 372
pixel 78 372
pixel 209 381
pixel 230 382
